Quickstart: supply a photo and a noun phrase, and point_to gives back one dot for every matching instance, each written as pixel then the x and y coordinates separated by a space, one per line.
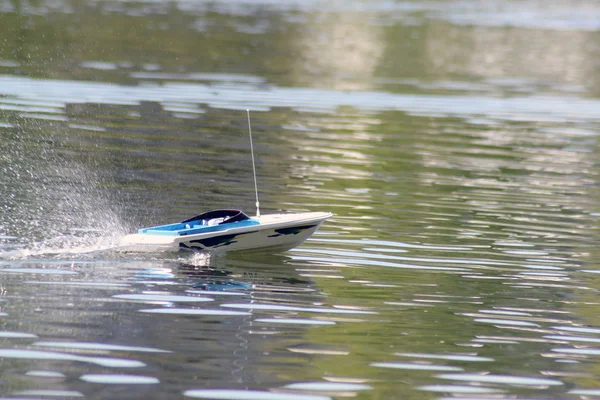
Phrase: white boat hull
pixel 275 233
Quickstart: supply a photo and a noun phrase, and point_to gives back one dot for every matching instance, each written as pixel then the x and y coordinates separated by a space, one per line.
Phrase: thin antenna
pixel 253 165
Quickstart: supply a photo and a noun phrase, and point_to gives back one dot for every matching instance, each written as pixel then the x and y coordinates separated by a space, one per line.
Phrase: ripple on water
pixel 329 386
pixel 162 298
pixel 294 321
pixel 529 108
pixel 45 117
pixel 92 128
pixel 451 357
pixel 506 312
pixel 526 252
pixel 100 285
pixel 502 379
pixel 543 267
pixel 573 338
pixel 458 389
pixel 17 335
pixel 379 256
pixel 496 321
pixel 98 346
pixel 534 310
pixel 232 394
pixel 314 348
pixel 45 374
pixel 50 393
pixel 591 271
pixel 577 329
pixel 378 243
pixel 358 261
pixel 49 355
pixel 194 311
pixel 277 307
pixel 44 271
pixel 589 351
pixel 495 341
pixel 585 392
pixel 384 249
pixel 415 366
pixel 107 66
pixel 115 379
pixel 407 304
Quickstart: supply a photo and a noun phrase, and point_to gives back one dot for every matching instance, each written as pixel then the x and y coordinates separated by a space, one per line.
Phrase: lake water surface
pixel 455 142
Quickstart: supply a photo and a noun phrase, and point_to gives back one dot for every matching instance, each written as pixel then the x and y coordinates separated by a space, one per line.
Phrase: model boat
pixel 232 230
pixel 222 231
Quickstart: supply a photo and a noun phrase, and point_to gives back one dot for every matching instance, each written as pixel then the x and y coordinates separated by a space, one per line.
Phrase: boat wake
pixel 66 246
pixel 90 246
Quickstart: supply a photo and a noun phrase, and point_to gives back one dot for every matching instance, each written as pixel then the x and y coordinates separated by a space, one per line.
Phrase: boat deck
pixel 195 227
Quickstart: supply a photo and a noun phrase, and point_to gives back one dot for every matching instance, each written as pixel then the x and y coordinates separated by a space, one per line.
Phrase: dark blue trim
pixel 213 242
pixel 291 231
